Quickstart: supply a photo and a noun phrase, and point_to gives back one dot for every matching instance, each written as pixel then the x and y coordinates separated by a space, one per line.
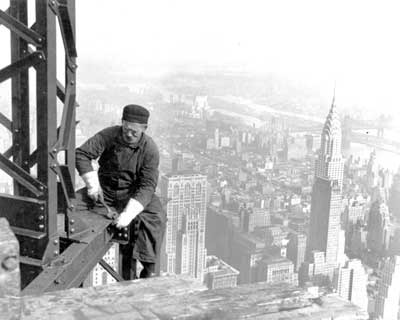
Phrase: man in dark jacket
pixel 126 180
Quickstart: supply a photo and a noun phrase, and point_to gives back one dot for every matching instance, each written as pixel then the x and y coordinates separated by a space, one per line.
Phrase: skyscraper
pixel 296 249
pixel 327 192
pixel 186 211
pixel 351 283
pixel 387 301
pixel 378 236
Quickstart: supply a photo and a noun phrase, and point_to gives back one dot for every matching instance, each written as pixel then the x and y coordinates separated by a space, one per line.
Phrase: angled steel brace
pixel 60 9
pixel 66 120
pixel 110 270
pixel 8 152
pixel 33 158
pixel 24 178
pixel 65 181
pixel 7 12
pixel 60 91
pixel 29 61
pixel 5 121
pixel 20 29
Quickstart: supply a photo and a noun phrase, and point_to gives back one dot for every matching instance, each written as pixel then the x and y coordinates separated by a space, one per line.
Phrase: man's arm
pixel 146 184
pixel 84 155
pixel 90 150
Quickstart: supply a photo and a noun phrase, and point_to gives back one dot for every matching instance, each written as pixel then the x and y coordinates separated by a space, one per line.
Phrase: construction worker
pixel 126 181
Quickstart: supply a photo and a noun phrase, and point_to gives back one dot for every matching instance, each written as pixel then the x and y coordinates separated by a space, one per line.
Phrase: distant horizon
pixel 352 44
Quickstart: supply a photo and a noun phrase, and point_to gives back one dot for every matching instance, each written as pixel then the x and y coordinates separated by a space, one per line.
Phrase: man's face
pixel 132 131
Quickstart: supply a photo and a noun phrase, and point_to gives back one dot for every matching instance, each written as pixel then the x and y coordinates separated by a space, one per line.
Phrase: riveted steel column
pixel 20 96
pixel 46 95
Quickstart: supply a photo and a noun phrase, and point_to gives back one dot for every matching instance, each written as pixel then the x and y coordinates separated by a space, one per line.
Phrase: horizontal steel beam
pixel 20 29
pixel 24 178
pixel 23 212
pixel 22 64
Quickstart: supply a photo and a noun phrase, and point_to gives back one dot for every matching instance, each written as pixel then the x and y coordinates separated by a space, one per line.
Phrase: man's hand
pixel 91 180
pixel 132 209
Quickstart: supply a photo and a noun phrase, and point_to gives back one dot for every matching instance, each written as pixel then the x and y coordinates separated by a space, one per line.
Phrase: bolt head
pixel 119 234
pixel 10 263
pixel 72 230
pixel 72 221
pixel 41 226
pixel 41 217
pixel 55 241
pixel 56 253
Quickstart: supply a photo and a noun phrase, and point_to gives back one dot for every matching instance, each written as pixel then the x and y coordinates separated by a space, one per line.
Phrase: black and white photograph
pixel 186 159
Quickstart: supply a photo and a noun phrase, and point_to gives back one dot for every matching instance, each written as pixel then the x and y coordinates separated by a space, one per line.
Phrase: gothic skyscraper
pixel 323 238
pixel 185 251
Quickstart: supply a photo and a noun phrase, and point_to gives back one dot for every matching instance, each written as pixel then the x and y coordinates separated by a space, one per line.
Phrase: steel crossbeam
pixel 16 172
pixel 5 121
pixel 20 29
pixel 25 63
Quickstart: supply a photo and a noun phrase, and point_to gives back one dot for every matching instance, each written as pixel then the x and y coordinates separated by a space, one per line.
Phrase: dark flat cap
pixel 135 113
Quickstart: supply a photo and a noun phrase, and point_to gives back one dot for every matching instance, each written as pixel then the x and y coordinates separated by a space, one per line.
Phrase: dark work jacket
pixel 125 171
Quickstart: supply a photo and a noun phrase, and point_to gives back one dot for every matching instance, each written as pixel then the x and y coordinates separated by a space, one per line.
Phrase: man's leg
pixel 148 270
pixel 127 264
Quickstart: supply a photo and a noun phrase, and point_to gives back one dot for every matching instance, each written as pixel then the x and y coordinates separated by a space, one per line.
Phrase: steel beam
pixel 23 64
pixel 23 212
pixel 72 267
pixel 20 95
pixel 8 153
pixel 5 121
pixel 19 28
pixel 46 116
pixel 110 270
pixel 24 178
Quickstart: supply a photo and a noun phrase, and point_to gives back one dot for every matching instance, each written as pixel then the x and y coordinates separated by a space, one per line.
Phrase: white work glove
pixel 132 209
pixel 91 180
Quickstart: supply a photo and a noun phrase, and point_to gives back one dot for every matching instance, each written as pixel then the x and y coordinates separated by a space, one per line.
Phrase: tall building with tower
pixel 326 201
pixel 184 248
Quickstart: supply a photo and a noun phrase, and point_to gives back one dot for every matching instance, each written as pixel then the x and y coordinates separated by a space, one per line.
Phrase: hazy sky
pixel 355 43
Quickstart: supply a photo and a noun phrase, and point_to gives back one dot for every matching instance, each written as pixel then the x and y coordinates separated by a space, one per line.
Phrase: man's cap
pixel 135 113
